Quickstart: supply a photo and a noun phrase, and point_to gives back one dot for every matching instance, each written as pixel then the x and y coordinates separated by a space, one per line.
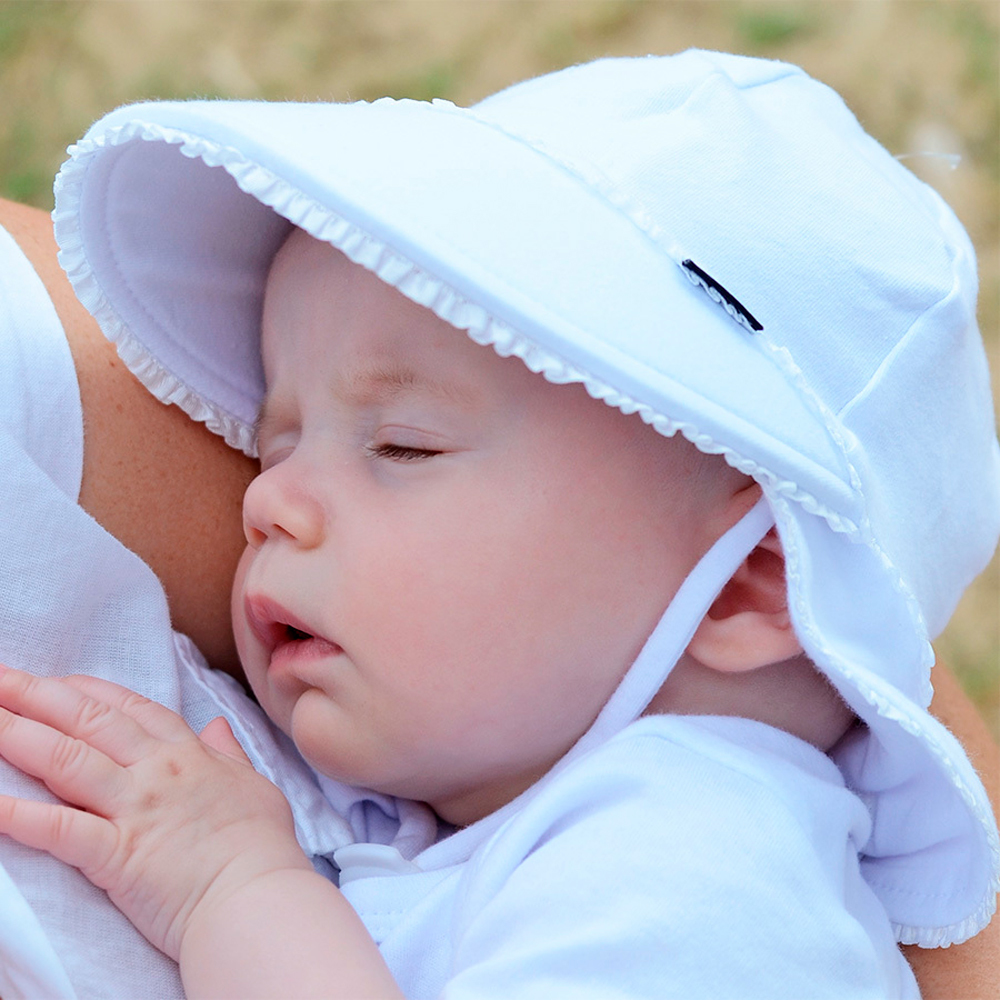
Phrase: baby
pixel 597 727
pixel 452 562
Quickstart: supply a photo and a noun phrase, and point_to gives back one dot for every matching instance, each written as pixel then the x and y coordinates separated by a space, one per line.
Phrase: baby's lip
pixel 274 625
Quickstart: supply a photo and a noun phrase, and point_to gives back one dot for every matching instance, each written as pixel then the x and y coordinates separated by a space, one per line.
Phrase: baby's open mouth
pixel 275 626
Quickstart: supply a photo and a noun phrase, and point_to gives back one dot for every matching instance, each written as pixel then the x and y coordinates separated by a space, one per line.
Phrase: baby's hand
pixel 165 821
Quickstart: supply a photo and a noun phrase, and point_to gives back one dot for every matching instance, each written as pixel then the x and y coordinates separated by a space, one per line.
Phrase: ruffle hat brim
pixel 397 186
pixel 168 215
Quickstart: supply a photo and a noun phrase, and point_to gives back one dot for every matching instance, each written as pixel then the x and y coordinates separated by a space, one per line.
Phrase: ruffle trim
pixel 389 265
pixel 160 382
pixel 597 182
pixel 945 937
pixel 837 666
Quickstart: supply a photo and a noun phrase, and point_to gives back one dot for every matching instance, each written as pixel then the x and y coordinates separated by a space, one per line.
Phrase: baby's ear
pixel 748 626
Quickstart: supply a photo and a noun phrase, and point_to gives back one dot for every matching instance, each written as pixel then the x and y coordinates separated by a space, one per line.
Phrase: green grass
pixel 772 25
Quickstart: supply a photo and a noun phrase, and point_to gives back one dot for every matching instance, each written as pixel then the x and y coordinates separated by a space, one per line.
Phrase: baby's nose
pixel 278 504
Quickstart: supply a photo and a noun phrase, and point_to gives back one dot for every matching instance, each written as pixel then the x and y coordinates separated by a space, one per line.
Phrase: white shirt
pixel 686 857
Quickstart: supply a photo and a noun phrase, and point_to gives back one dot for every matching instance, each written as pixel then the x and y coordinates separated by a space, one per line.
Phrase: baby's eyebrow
pixel 382 380
pixel 379 383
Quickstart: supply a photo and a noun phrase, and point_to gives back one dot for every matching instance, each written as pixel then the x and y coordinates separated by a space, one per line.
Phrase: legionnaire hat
pixel 711 241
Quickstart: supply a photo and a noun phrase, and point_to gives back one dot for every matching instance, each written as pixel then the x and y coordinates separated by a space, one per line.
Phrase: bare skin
pixel 147 465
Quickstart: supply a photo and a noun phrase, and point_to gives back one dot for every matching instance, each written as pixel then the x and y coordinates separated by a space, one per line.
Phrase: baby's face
pixel 451 562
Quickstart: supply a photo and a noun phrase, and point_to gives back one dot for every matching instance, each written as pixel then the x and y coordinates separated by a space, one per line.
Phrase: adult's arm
pixel 165 486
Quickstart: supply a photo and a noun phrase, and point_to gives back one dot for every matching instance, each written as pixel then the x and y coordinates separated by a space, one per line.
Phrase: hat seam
pixel 896 577
pixel 901 345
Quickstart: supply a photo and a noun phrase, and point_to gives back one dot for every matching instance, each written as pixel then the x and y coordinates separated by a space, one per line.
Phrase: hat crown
pixel 857 269
pixel 764 178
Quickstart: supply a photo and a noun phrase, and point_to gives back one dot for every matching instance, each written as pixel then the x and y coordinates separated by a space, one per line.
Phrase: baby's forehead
pixel 380 347
pixel 377 342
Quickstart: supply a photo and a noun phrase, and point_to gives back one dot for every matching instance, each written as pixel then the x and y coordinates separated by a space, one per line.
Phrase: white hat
pixel 710 240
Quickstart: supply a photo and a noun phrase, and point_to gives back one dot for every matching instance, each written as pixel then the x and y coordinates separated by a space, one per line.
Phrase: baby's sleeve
pixel 717 888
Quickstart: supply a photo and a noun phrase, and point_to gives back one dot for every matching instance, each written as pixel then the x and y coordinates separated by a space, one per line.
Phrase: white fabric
pixel 39 399
pixel 72 599
pixel 685 857
pixel 40 415
pixel 552 221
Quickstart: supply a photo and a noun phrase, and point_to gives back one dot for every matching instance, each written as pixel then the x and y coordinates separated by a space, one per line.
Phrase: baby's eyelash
pixel 400 453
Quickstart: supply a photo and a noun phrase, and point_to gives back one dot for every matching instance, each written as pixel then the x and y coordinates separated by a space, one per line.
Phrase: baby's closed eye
pixel 401 452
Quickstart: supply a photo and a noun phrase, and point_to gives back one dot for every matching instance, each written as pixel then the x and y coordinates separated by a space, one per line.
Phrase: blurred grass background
pixel 922 75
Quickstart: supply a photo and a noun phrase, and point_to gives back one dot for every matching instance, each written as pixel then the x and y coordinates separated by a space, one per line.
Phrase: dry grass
pixel 920 74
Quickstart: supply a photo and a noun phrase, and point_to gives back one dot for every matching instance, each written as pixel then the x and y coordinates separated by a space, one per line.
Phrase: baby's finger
pixel 156 719
pixel 69 767
pixel 218 734
pixel 60 704
pixel 78 838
